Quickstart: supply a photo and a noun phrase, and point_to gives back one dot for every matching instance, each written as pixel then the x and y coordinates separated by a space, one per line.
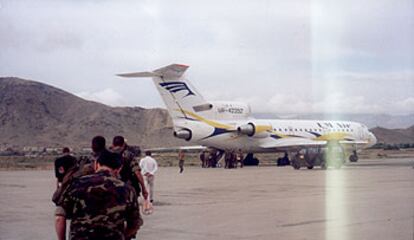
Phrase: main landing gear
pixel 331 156
pixel 308 158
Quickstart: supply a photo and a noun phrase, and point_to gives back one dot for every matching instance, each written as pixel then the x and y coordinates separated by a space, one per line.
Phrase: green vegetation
pixel 386 146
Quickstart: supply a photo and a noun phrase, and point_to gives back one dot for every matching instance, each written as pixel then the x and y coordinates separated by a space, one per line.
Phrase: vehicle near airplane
pixel 227 125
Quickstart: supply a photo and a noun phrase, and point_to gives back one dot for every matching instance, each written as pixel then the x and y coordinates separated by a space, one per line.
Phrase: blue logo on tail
pixel 174 87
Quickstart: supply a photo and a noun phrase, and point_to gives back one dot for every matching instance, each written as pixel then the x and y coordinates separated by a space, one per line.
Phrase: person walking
pixel 63 164
pixel 181 156
pixel 100 206
pixel 148 168
pixel 130 170
pixel 84 166
pixel 240 158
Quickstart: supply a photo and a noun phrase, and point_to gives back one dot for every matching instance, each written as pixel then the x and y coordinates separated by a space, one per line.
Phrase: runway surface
pixel 371 199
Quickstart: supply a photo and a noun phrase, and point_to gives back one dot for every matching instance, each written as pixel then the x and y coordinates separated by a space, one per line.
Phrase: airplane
pixel 230 126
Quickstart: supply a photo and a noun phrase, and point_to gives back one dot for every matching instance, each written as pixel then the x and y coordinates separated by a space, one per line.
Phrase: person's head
pixel 65 150
pixel 147 153
pixel 110 160
pixel 98 144
pixel 118 141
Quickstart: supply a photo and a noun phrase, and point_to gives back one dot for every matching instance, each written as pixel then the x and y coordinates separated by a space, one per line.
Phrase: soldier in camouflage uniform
pixel 130 171
pixel 87 163
pixel 84 166
pixel 100 205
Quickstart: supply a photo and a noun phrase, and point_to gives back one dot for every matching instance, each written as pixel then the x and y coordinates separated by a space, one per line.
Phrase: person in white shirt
pixel 148 168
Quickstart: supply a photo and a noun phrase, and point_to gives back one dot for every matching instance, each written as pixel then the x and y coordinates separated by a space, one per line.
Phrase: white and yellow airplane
pixel 230 126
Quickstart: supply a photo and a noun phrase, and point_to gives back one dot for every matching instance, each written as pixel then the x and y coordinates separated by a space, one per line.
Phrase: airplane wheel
pixel 295 164
pixel 353 158
pixel 309 162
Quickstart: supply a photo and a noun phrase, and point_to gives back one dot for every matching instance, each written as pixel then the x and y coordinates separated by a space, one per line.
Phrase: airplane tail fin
pixel 176 91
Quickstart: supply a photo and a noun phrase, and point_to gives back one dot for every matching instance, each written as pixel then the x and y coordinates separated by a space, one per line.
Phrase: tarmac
pixel 371 199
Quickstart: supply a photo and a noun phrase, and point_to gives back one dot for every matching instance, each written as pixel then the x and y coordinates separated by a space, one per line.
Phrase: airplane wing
pixel 292 143
pixel 176 149
pixel 353 142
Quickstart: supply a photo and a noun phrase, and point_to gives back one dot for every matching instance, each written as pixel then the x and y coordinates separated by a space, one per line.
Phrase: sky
pixel 279 56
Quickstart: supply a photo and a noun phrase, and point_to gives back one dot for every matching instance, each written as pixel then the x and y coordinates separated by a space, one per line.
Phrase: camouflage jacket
pixel 130 165
pixel 99 205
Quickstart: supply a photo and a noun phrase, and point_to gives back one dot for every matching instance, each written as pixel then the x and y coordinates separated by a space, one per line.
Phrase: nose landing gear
pixel 353 157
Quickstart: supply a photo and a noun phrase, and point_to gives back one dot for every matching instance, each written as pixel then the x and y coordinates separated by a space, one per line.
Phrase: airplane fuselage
pixel 282 133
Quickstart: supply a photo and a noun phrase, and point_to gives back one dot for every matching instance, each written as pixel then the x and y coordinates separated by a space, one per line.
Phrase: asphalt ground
pixel 371 199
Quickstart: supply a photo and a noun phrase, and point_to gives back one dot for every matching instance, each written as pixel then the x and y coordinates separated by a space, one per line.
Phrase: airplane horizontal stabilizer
pixel 139 74
pixel 173 71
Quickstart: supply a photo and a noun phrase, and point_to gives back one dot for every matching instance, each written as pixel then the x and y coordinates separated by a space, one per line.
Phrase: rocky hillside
pixel 36 114
pixel 394 136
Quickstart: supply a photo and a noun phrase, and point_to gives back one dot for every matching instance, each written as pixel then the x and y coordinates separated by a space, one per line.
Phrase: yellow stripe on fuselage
pixel 263 128
pixel 337 136
pixel 209 122
pixel 332 136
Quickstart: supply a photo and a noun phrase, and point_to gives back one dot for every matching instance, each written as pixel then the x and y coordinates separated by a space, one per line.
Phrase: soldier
pixel 130 171
pixel 84 166
pixel 100 206
pixel 63 164
pixel 181 156
pixel 87 164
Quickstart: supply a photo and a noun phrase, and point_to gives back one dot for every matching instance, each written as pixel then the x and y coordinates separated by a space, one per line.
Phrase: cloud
pixel 107 96
pixel 293 54
pixel 404 106
pixel 333 103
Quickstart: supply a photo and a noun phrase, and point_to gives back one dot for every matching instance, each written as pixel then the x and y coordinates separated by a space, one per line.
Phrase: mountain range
pixel 36 114
pixel 370 120
pixel 39 115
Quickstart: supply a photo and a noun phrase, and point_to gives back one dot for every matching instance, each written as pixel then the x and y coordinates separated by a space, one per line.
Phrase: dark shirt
pixel 62 165
pixel 99 205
